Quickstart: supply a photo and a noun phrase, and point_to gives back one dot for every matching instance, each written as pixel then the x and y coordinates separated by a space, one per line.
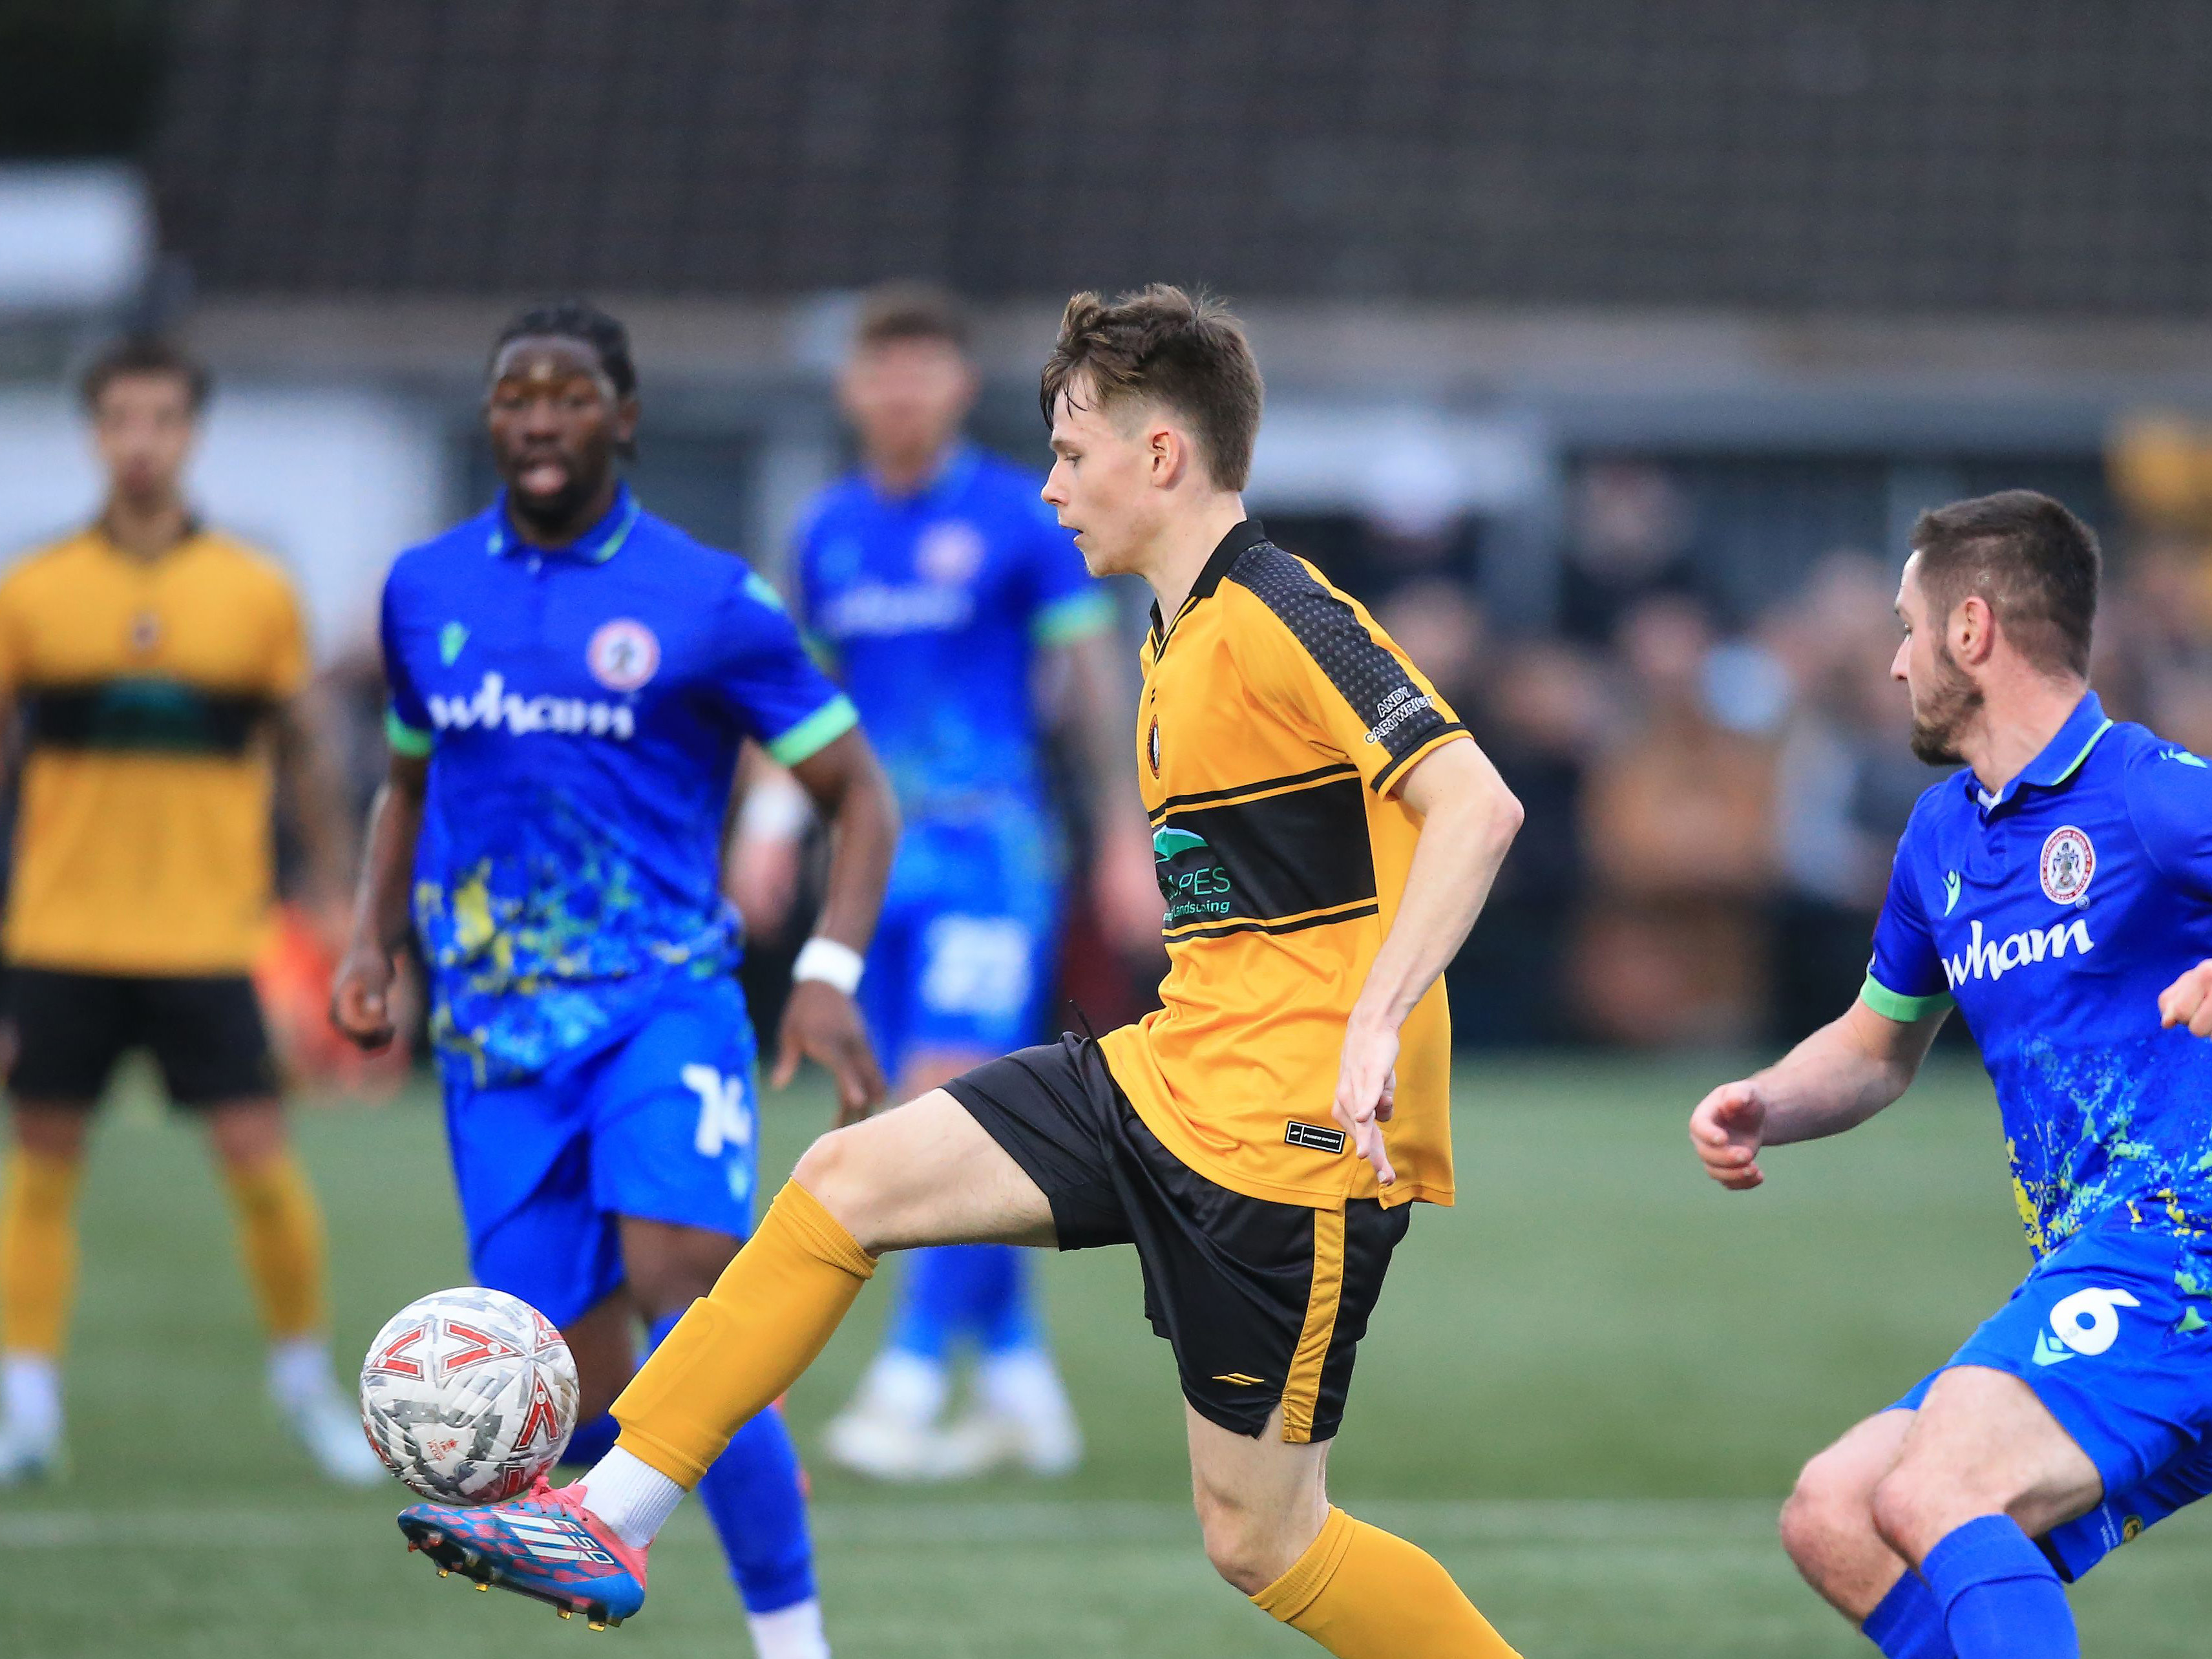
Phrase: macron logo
pixel 1996 957
pixel 494 706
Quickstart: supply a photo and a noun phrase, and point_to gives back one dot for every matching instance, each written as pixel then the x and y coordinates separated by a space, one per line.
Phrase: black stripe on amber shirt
pixel 1296 925
pixel 1282 856
pixel 1198 797
pixel 143 717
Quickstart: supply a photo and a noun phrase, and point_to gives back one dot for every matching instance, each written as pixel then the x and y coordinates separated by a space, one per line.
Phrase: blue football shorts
pixel 660 1124
pixel 965 956
pixel 2111 1331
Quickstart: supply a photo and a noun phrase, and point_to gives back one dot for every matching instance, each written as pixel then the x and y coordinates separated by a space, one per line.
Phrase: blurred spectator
pixel 1628 539
pixel 2153 644
pixel 1545 716
pixel 1846 781
pixel 1680 834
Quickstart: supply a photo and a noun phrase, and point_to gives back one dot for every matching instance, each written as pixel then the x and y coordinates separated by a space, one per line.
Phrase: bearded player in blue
pixel 572 680
pixel 2058 893
pixel 952 606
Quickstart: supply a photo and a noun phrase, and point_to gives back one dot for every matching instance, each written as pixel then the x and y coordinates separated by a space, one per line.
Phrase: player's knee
pixel 1911 1506
pixel 837 1171
pixel 1826 1512
pixel 1244 1548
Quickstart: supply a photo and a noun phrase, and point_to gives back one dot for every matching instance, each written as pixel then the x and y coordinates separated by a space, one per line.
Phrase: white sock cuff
pixel 31 1391
pixel 792 1632
pixel 299 1366
pixel 631 1496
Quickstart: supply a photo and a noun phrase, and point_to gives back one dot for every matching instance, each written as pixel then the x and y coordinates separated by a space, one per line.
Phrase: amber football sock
pixel 743 1345
pixel 280 1238
pixel 1364 1594
pixel 37 1252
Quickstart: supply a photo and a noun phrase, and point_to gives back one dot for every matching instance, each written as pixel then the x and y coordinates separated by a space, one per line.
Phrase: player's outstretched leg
pixel 1358 1591
pixel 924 1174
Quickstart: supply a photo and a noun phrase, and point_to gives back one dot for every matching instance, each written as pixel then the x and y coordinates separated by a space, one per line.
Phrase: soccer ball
pixel 469 1396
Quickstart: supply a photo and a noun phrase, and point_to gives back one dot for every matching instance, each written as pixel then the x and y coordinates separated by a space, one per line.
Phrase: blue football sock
pixel 926 1310
pixel 1004 1305
pixel 592 1441
pixel 956 1293
pixel 2000 1597
pixel 1908 1622
pixel 756 1498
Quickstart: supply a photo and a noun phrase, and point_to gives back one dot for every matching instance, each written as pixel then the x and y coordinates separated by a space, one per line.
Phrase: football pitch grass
pixel 1585 1391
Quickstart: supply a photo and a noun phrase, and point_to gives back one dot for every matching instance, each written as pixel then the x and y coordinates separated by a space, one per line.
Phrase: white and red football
pixel 468 1396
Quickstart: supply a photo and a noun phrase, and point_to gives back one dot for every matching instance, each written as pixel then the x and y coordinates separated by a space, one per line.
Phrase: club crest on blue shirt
pixel 948 553
pixel 623 654
pixel 2068 863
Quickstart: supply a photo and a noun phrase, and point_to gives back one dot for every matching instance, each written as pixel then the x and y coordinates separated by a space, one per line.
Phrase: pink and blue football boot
pixel 545 1545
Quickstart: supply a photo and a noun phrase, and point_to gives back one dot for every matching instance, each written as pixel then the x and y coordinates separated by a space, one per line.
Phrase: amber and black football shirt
pixel 1276 722
pixel 142 836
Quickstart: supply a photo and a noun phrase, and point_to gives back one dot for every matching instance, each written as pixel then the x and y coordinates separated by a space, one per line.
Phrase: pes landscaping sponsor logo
pixel 1192 880
pixel 492 706
pixel 1997 957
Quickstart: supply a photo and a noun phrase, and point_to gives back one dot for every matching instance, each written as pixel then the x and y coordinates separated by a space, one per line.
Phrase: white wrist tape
pixel 830 963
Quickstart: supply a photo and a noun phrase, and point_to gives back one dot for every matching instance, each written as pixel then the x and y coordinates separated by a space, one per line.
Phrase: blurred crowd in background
pixel 1713 792
pixel 1611 349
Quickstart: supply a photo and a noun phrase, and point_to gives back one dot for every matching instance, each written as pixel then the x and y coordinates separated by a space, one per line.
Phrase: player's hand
pixel 1727 1130
pixel 822 1025
pixel 1367 1090
pixel 2188 1001
pixel 360 998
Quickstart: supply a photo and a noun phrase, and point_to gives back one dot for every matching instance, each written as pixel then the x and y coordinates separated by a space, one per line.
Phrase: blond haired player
pixel 1325 835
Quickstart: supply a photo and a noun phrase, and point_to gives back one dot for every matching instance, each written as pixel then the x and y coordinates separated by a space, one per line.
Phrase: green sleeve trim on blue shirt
pixel 1905 1010
pixel 1078 617
pixel 816 732
pixel 404 739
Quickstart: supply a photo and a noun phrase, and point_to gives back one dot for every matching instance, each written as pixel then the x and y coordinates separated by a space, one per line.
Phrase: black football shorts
pixel 1262 1302
pixel 205 1032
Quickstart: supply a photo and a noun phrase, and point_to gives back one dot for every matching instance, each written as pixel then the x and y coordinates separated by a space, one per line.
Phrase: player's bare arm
pixel 361 995
pixel 1469 818
pixel 1835 1080
pixel 820 1022
pixel 315 794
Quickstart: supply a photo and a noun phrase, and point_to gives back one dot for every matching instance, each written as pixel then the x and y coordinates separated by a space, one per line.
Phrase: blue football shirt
pixel 2053 914
pixel 582 709
pixel 934 606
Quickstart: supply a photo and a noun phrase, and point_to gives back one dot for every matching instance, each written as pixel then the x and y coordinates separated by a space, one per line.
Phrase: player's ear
pixel 1973 629
pixel 627 413
pixel 1169 455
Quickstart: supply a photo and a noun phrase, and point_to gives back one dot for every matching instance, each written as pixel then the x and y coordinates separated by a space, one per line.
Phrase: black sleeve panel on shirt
pixel 1401 713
